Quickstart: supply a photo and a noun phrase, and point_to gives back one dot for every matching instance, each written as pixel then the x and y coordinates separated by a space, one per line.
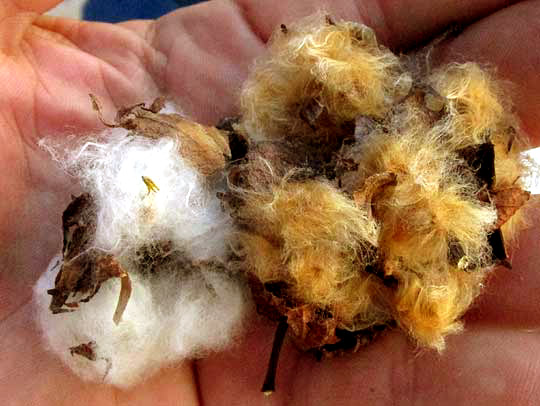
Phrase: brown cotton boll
pixel 320 271
pixel 374 193
pixel 314 211
pixel 478 112
pixel 465 221
pixel 362 302
pixel 422 235
pixel 475 103
pixel 432 226
pixel 321 279
pixel 317 76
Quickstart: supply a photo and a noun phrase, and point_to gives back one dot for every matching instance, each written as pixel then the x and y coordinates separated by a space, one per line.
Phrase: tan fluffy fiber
pixel 320 74
pixel 317 248
pixel 396 215
pixel 358 191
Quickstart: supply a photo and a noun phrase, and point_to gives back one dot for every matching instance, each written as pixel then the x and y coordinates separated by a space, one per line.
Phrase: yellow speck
pixel 152 187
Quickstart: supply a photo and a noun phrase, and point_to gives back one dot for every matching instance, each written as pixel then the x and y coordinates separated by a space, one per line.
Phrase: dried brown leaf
pixel 507 202
pixel 108 268
pixel 83 271
pixel 312 327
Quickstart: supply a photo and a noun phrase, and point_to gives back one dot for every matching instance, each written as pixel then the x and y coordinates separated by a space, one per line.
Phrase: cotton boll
pixel 430 158
pixel 170 317
pixel 158 218
pixel 432 202
pixel 434 230
pixel 429 308
pixel 314 238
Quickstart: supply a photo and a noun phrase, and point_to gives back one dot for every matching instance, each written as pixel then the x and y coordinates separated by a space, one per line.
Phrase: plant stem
pixel 269 385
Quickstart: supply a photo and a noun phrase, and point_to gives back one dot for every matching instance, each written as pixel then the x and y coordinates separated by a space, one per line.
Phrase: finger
pixel 509 41
pixel 204 52
pixel 209 47
pixel 104 59
pixel 481 366
pixel 400 24
pixel 478 367
pixel 235 377
pixel 208 50
pixel 29 375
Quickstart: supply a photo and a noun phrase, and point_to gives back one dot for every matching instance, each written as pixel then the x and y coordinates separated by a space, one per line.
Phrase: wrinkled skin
pixel 200 55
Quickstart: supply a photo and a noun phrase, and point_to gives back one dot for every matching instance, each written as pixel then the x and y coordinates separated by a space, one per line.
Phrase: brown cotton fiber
pixel 371 195
pixel 300 86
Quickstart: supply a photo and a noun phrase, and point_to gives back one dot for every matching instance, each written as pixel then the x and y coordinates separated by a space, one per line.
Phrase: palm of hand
pixel 200 55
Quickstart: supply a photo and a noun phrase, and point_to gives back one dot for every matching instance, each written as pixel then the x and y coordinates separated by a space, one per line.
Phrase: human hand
pixel 200 56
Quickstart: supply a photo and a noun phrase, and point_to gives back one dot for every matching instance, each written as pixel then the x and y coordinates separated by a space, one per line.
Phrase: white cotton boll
pixel 184 304
pixel 169 317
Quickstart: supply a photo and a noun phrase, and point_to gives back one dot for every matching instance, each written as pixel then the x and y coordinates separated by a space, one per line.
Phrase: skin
pixel 200 56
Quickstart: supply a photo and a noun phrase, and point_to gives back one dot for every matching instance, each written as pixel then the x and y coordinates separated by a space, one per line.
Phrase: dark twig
pixel 269 384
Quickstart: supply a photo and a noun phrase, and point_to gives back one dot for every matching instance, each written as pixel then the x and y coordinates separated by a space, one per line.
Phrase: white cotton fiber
pixel 167 319
pixel 183 210
pixel 180 308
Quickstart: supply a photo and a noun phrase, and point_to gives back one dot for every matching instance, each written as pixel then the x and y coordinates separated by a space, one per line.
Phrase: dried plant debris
pixel 82 270
pixel 374 193
pixel 86 350
pixel 357 191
